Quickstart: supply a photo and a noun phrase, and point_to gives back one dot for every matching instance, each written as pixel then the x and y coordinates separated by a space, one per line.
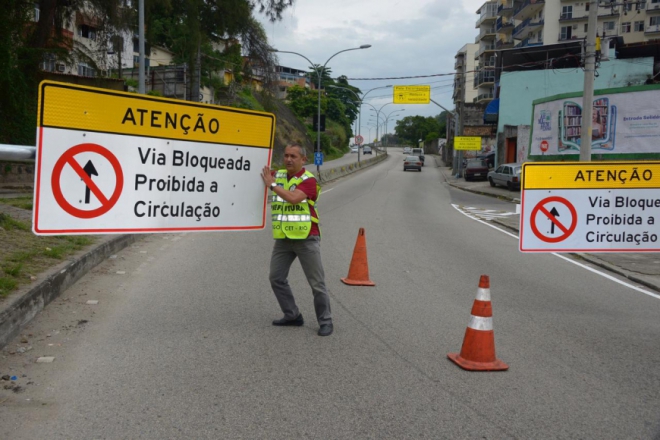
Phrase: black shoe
pixel 325 330
pixel 290 322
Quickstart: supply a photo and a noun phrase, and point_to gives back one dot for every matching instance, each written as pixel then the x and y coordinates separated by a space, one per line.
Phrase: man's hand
pixel 267 176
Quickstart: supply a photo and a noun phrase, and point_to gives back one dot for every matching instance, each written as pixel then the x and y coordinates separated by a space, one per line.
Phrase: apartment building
pixel 287 77
pixel 464 66
pixel 541 22
pixel 508 24
pixel 485 57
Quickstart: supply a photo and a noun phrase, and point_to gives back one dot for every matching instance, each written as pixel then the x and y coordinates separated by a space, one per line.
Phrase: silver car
pixel 508 174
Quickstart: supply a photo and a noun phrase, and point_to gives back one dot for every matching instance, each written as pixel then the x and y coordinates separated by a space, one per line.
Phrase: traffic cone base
pixel 496 365
pixel 478 350
pixel 357 282
pixel 358 272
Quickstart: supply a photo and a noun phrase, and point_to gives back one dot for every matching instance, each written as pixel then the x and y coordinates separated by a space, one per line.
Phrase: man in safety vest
pixel 297 234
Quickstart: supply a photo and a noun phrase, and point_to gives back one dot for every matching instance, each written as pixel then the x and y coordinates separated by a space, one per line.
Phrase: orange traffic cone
pixel 478 351
pixel 358 272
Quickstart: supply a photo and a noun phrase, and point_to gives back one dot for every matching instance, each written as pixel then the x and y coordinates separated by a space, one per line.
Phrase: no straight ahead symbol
pixel 85 173
pixel 546 210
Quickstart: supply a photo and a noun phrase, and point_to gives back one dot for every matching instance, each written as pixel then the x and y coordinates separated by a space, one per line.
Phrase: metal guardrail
pixel 17 152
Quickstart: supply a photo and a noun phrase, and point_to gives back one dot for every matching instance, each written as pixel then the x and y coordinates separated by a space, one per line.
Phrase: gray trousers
pixel 308 252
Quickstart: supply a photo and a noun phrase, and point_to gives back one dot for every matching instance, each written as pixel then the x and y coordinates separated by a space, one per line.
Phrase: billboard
pixel 625 121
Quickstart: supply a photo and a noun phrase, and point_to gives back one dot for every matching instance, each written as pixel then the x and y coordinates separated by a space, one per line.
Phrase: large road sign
pixel 412 94
pixel 113 162
pixel 590 207
pixel 359 139
pixel 467 143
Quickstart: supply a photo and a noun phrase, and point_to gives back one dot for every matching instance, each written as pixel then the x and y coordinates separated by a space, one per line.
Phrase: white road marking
pixel 584 266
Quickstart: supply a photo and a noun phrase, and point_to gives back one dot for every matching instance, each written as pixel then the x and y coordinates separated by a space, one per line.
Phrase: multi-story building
pixel 464 67
pixel 507 24
pixel 287 77
pixel 484 74
pixel 543 22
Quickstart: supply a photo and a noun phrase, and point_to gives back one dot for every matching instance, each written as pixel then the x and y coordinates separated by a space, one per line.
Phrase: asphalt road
pixel 181 346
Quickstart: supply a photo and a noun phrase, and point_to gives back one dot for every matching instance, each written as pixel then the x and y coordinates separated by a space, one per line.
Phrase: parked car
pixel 488 157
pixel 476 169
pixel 366 150
pixel 354 149
pixel 412 163
pixel 407 150
pixel 508 174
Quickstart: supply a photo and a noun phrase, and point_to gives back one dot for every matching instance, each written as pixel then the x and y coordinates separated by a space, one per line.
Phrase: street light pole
pixel 318 106
pixel 387 119
pixel 361 101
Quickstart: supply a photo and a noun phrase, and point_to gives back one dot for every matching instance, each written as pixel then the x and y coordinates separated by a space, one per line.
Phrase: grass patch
pixel 24 255
pixel 18 202
pixel 8 224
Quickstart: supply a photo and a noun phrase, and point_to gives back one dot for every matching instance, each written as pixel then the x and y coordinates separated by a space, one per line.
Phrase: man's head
pixel 295 157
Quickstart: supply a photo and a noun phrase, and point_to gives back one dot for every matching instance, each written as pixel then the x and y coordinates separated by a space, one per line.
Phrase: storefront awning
pixel 492 110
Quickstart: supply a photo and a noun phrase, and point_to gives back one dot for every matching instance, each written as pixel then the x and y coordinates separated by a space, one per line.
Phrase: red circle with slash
pixel 541 207
pixel 69 158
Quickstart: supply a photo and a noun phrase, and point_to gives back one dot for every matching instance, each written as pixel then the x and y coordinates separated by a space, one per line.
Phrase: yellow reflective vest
pixel 292 220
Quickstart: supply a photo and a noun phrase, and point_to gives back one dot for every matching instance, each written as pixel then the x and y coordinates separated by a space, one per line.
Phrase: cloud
pixel 409 38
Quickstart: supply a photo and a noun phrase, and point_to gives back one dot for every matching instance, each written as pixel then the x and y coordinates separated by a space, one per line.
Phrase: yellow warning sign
pixel 85 108
pixel 412 94
pixel 587 175
pixel 467 143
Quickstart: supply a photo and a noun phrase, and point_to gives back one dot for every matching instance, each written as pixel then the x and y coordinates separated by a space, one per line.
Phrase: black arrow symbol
pixel 555 214
pixel 90 171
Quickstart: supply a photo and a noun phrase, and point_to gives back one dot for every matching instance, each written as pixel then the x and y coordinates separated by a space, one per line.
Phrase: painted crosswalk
pixel 481 213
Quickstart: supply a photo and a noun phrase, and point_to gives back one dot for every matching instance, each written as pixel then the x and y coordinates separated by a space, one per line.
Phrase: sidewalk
pixel 640 267
pixel 22 305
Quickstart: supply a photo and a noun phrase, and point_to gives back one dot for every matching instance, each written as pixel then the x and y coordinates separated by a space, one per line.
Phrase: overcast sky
pixel 408 38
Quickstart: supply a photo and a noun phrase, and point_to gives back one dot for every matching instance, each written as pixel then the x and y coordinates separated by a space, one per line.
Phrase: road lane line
pixel 591 269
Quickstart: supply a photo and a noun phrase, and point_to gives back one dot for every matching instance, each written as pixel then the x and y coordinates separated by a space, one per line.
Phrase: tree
pixel 190 28
pixel 412 128
pixel 25 44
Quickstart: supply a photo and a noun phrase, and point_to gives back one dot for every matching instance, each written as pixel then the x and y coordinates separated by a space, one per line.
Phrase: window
pixel 85 70
pixel 136 61
pixel 87 32
pixel 625 27
pixel 641 5
pixel 639 26
pixel 36 12
pixel 566 33
pixel 586 26
pixel 567 12
pixel 627 6
pixel 654 21
pixel 48 64
pixel 609 25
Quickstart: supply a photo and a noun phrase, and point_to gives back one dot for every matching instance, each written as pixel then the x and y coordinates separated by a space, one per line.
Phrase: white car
pixel 354 149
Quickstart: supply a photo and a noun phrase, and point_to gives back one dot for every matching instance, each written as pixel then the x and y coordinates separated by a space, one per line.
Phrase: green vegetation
pixel 24 255
pixel 190 28
pixel 18 202
pixel 339 105
pixel 411 129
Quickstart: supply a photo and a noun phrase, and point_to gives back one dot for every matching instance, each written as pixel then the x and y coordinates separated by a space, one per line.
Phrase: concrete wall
pixel 520 89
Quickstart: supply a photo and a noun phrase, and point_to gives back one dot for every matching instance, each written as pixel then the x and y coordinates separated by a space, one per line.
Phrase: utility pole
pixel 457 121
pixel 589 76
pixel 141 47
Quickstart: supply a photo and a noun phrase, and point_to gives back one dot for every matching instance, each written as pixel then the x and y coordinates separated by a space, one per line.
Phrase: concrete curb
pixel 337 172
pixel 598 262
pixel 20 308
